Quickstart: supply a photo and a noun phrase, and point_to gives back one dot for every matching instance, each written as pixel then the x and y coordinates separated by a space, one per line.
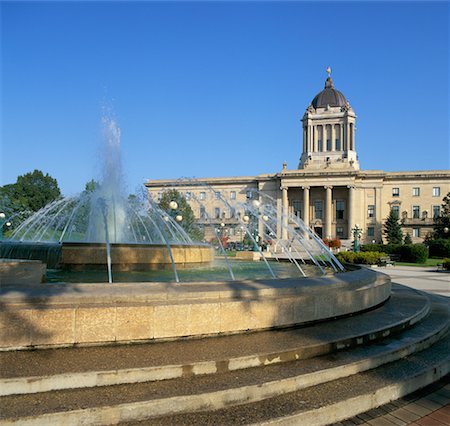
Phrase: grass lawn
pixel 429 262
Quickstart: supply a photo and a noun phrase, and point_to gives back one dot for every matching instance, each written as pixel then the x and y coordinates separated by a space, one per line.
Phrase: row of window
pixel 371 232
pixel 217 195
pixel 218 214
pixel 436 211
pixel 297 206
pixel 416 191
pixel 340 210
pixel 336 141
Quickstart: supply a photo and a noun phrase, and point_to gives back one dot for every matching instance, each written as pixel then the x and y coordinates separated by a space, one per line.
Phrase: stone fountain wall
pixel 128 257
pixel 85 314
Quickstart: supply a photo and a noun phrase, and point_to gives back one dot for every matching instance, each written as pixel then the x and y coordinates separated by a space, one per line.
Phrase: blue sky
pixel 217 88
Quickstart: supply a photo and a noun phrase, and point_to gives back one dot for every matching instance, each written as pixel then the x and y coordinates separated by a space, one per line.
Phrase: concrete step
pixel 326 377
pixel 330 402
pixel 44 370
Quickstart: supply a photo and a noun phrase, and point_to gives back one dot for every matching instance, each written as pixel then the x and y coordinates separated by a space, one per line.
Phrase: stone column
pixel 308 137
pixel 333 137
pixel 305 140
pixel 353 136
pixel 306 205
pixel 351 200
pixel 349 138
pixel 316 139
pixel 328 210
pixel 341 127
pixel 285 210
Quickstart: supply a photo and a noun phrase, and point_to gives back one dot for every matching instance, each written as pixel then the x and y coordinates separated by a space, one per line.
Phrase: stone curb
pixel 34 384
pixel 141 410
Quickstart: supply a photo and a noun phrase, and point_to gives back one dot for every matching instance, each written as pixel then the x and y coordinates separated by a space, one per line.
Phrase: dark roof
pixel 329 96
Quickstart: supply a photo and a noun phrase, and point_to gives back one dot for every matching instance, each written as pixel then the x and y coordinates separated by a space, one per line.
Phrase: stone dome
pixel 329 96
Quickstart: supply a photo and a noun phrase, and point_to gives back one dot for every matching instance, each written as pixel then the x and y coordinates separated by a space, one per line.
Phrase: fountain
pixel 103 229
pixel 196 288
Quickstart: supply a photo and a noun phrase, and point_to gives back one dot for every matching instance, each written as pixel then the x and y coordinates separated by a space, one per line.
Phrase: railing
pixel 417 221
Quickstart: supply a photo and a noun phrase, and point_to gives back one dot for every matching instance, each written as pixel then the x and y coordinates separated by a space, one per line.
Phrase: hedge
pixel 414 253
pixel 364 258
pixel 439 248
pixel 381 248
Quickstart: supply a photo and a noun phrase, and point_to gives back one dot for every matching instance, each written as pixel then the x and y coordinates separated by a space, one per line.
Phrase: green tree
pixel 91 186
pixel 189 222
pixel 392 229
pixel 442 222
pixel 33 190
pixel 407 239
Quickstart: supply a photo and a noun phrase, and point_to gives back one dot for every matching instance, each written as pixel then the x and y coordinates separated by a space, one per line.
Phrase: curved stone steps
pixel 264 385
pixel 40 371
pixel 330 402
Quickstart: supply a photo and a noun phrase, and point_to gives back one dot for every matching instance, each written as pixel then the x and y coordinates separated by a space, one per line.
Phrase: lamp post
pixel 357 231
pixel 3 222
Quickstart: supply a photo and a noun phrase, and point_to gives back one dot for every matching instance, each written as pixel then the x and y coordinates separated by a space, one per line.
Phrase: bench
pixel 389 260
pixel 385 261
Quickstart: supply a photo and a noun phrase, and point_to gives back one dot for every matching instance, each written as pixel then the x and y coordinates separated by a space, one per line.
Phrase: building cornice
pixel 286 175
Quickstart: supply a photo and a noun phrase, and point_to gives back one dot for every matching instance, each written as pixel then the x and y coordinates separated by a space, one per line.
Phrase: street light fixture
pixel 357 231
pixel 3 222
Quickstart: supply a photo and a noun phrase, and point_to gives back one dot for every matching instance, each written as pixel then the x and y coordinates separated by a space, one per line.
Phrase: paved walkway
pixel 429 406
pixel 425 279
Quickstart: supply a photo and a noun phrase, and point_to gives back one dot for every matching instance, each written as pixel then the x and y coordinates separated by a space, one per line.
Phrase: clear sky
pixel 217 88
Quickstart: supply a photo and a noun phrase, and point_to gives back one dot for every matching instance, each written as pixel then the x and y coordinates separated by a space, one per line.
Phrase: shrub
pixel 407 239
pixel 393 248
pixel 332 243
pixel 364 258
pixel 335 243
pixel 346 256
pixel 415 253
pixel 374 247
pixel 382 248
pixel 446 264
pixel 439 248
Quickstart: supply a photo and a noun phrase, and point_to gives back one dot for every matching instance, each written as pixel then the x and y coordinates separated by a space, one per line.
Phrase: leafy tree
pixel 32 191
pixel 407 239
pixel 189 222
pixel 91 186
pixel 442 222
pixel 393 229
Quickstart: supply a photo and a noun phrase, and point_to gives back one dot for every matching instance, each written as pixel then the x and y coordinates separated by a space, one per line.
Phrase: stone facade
pixel 328 180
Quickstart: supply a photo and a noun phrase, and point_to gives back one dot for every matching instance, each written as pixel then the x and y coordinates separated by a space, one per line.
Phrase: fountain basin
pixel 85 314
pixel 19 272
pixel 132 257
